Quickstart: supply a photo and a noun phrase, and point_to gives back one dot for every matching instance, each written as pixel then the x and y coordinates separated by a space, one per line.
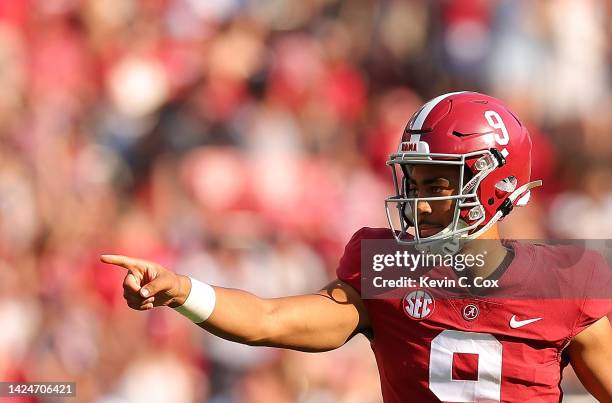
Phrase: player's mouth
pixel 427 230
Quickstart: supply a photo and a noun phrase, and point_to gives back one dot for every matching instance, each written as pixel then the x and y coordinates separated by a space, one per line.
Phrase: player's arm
pixel 316 322
pixel 590 354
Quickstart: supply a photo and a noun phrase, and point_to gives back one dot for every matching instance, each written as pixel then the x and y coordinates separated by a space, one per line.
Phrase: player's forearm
pixel 238 316
pixel 309 323
pixel 242 317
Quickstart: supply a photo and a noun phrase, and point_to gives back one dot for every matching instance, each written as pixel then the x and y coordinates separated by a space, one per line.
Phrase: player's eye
pixel 437 189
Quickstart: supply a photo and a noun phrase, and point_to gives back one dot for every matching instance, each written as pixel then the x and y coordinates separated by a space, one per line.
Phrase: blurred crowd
pixel 243 142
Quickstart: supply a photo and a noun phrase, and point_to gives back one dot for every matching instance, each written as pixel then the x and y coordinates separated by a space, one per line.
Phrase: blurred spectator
pixel 243 142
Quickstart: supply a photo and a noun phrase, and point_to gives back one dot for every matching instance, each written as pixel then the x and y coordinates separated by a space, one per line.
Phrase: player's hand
pixel 148 284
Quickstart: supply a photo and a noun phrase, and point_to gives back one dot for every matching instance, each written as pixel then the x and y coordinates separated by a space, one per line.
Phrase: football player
pixel 462 165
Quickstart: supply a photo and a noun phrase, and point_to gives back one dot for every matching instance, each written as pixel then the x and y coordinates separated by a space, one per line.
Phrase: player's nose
pixel 423 207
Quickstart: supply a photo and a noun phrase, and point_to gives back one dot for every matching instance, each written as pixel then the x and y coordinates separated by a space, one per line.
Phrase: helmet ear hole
pixel 491 201
pixel 505 186
pixel 508 184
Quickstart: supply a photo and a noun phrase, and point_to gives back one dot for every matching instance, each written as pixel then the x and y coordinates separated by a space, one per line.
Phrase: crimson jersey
pixel 479 349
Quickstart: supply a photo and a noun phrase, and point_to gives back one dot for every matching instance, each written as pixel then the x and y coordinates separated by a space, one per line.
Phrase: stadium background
pixel 242 142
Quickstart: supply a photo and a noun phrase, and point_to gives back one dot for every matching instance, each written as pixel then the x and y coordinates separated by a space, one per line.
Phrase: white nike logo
pixel 514 323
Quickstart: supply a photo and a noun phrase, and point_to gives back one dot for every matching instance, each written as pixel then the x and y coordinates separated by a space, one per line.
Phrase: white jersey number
pixel 488 386
pixel 496 122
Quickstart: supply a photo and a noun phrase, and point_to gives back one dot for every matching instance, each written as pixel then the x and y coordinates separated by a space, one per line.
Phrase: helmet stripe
pixel 417 124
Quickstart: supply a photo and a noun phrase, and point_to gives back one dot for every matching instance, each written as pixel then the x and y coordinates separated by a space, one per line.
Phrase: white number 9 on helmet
pixel 496 122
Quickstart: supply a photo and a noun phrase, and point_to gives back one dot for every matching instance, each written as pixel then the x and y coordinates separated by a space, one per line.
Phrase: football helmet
pixel 490 147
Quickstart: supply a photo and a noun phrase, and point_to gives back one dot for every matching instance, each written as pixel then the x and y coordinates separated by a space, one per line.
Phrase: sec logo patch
pixel 418 304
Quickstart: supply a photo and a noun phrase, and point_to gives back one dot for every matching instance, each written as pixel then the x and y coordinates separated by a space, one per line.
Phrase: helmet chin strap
pixel 512 198
pixel 454 244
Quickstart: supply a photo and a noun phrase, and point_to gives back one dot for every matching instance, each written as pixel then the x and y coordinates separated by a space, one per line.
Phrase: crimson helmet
pixel 481 136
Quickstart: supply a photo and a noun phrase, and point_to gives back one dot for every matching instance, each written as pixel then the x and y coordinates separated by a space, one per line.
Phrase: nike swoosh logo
pixel 514 323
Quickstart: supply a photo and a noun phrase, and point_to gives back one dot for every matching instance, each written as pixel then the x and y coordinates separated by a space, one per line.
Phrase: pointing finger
pixel 119 260
pixel 138 267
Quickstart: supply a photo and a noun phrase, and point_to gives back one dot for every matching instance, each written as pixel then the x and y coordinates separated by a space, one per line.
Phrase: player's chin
pixel 429 230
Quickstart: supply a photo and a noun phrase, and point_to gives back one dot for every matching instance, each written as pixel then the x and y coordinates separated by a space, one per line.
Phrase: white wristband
pixel 199 303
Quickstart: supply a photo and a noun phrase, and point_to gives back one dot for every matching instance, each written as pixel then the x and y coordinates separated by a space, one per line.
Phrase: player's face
pixel 433 181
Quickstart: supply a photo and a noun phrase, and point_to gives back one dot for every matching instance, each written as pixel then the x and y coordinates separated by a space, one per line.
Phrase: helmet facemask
pixel 468 213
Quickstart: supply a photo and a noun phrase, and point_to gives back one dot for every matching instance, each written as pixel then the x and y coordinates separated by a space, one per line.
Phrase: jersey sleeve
pixel 597 301
pixel 349 267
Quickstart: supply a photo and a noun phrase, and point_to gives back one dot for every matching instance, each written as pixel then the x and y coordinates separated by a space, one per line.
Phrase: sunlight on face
pixel 433 181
